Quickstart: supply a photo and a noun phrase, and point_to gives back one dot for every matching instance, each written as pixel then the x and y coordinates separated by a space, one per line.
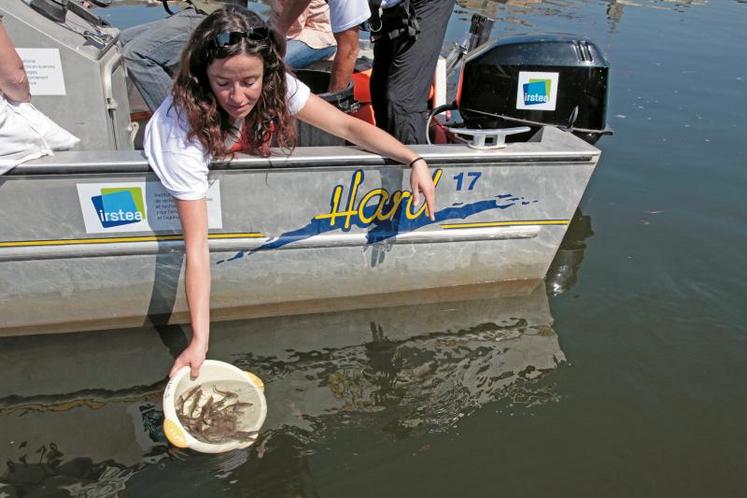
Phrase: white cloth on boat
pixel 26 134
pixel 182 164
pixel 344 14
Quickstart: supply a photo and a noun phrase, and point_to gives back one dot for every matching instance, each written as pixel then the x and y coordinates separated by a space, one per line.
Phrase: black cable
pixel 166 7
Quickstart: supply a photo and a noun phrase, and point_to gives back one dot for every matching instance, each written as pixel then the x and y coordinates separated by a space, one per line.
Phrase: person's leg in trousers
pixel 298 55
pixel 400 105
pixel 152 51
pixel 129 34
pixel 379 83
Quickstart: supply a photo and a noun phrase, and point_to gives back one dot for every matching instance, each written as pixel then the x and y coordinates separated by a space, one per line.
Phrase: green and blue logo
pixel 537 91
pixel 119 206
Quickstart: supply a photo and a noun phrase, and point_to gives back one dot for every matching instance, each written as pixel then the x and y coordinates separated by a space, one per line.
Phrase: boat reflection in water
pixel 563 270
pixel 430 364
pixel 81 412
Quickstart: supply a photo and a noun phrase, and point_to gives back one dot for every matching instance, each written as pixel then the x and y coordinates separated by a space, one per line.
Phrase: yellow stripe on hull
pixel 487 224
pixel 120 240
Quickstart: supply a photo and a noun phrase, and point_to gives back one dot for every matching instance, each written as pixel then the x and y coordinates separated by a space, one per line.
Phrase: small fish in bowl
pixel 221 410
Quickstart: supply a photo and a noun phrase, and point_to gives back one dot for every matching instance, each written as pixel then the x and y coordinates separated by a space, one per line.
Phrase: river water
pixel 622 376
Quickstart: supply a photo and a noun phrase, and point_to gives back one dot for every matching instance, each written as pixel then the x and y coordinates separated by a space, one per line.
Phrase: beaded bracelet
pixel 415 160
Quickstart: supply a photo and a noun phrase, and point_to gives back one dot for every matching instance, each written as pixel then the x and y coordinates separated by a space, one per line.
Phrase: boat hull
pixel 91 240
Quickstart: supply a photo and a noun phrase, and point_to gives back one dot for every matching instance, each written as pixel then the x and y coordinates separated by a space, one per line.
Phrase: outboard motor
pixel 536 80
pixel 75 69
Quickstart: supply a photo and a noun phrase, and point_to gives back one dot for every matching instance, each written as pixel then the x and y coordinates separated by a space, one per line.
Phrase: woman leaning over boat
pixel 232 94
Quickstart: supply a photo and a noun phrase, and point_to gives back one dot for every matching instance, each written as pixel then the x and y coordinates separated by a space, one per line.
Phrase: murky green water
pixel 628 380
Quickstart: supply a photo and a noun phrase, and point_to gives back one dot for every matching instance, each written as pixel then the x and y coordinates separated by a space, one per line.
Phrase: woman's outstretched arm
pixel 193 215
pixel 319 113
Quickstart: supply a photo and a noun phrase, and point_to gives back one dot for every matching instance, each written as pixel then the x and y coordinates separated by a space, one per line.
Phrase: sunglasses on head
pixel 229 38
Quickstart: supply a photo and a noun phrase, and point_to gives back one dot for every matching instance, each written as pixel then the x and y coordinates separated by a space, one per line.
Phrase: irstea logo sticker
pixel 537 91
pixel 119 206
pixel 137 207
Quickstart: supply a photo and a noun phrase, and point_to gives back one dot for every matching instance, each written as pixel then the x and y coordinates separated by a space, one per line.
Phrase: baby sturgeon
pixel 213 419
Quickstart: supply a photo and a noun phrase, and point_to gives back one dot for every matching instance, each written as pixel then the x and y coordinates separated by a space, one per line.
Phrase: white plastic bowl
pixel 211 371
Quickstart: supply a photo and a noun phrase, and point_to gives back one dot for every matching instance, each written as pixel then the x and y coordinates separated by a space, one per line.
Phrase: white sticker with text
pixel 44 70
pixel 137 207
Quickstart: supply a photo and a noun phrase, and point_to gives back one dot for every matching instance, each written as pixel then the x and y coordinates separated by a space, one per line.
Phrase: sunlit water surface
pixel 623 376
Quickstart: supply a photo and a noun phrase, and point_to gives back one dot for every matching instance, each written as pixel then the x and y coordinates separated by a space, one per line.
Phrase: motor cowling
pixel 536 80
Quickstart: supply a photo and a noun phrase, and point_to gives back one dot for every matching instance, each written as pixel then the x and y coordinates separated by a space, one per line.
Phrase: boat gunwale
pixel 555 146
pixel 99 169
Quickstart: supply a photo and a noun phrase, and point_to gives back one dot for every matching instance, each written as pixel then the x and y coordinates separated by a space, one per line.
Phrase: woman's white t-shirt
pixel 182 164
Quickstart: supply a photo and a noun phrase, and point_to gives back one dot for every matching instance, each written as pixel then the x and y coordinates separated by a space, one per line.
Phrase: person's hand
pixel 192 357
pixel 421 181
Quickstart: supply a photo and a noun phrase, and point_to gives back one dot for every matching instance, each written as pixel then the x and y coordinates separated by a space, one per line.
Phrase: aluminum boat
pixel 90 240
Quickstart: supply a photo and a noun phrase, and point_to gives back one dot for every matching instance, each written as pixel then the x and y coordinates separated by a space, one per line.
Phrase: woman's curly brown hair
pixel 208 121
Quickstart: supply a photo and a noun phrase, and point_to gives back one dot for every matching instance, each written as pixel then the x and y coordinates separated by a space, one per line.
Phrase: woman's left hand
pixel 421 182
